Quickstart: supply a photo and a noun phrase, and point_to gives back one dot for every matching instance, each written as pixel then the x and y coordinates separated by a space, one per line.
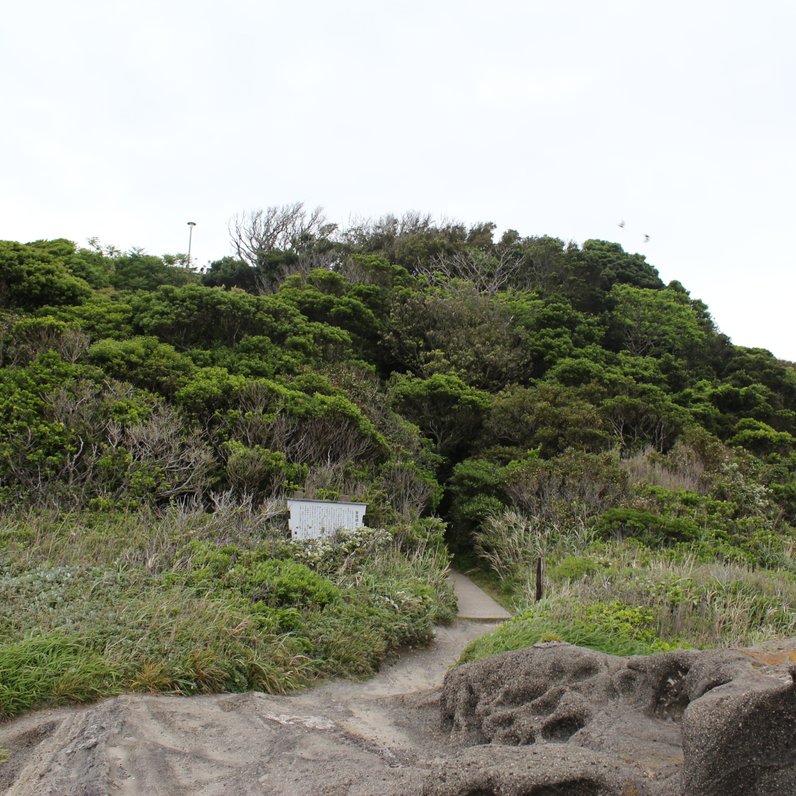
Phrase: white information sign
pixel 310 519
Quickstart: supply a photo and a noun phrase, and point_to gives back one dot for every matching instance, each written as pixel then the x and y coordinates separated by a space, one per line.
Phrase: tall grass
pixel 142 538
pixel 595 590
pixel 51 669
pixel 682 469
pixel 510 542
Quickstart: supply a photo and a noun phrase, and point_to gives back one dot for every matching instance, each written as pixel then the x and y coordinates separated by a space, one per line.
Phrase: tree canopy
pixel 383 360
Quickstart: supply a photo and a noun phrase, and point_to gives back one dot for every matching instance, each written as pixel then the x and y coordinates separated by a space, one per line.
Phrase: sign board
pixel 311 519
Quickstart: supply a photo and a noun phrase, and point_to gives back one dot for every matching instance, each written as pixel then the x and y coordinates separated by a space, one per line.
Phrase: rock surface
pixel 550 720
pixel 687 722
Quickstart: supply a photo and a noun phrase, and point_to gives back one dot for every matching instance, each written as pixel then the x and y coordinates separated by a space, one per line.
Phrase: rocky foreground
pixel 580 722
pixel 552 719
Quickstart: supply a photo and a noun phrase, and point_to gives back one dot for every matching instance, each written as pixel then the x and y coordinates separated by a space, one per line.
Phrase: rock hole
pixel 710 684
pixel 504 728
pixel 627 682
pixel 563 728
pixel 514 738
pixel 584 672
pixel 521 694
pixel 572 787
pixel 671 697
pixel 547 703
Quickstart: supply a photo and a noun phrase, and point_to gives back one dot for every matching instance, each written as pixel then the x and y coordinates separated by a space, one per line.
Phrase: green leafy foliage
pixel 489 349
pixel 31 277
pixel 547 399
pixel 652 529
pixel 444 407
pixel 655 321
pixel 547 417
pixel 138 271
pixel 144 361
pixel 278 583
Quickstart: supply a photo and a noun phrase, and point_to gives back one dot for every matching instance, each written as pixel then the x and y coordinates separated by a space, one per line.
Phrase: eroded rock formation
pixel 710 723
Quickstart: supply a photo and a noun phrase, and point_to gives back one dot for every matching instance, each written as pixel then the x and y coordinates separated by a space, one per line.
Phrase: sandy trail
pixel 373 737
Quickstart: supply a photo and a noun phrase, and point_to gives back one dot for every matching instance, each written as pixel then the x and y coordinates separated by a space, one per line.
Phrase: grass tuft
pixel 51 670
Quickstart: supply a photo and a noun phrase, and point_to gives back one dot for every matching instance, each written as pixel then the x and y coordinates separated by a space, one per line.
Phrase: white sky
pixel 125 120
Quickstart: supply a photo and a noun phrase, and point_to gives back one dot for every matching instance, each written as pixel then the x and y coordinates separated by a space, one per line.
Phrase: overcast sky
pixel 126 120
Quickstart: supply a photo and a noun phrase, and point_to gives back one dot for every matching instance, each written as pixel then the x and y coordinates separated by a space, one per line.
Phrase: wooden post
pixel 539 578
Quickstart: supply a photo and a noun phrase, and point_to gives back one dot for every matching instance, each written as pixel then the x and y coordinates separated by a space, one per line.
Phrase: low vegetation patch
pixel 626 599
pixel 171 611
pixel 615 628
pixel 665 568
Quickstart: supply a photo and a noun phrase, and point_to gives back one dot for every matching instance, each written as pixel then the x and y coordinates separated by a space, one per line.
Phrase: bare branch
pixel 278 228
pixel 489 274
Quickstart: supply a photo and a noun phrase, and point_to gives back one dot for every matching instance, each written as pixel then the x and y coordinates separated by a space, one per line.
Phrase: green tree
pixel 31 277
pixel 102 315
pixel 654 322
pixel 449 411
pixel 761 439
pixel 324 297
pixel 644 415
pixel 230 272
pixel 137 270
pixel 458 331
pixel 549 417
pixel 208 392
pixel 31 336
pixel 259 471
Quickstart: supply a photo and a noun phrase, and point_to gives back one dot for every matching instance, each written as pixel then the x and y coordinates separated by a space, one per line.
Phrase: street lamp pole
pixel 191 225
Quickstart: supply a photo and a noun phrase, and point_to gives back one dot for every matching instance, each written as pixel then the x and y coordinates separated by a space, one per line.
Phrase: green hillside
pixel 499 399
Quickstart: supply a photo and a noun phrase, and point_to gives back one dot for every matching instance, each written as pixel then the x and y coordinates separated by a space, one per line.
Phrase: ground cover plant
pixel 158 604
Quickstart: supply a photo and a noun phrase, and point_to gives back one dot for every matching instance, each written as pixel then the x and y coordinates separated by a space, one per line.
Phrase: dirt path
pixel 375 737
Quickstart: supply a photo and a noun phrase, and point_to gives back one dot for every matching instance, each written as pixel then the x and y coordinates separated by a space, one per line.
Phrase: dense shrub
pixel 649 528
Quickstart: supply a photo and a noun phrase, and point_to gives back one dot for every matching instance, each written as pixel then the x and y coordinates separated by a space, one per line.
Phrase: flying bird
pixel 621 224
pixel 646 239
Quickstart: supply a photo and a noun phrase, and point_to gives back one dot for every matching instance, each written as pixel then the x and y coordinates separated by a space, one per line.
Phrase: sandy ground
pixel 373 737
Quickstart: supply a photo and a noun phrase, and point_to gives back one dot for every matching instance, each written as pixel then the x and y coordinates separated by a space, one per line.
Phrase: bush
pixel 572 568
pixel 614 628
pixel 162 609
pixel 649 528
pixel 288 583
pixel 255 575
